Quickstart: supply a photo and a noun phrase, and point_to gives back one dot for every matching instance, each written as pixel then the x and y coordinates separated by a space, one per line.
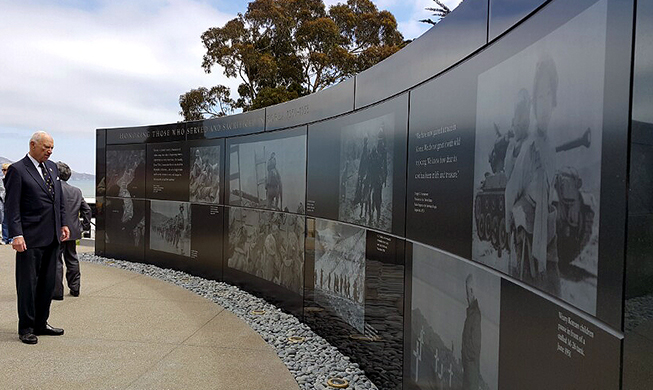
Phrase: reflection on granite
pixel 639 311
pixel 379 351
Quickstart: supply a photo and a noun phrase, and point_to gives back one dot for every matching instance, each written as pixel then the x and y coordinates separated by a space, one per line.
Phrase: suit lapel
pixel 31 169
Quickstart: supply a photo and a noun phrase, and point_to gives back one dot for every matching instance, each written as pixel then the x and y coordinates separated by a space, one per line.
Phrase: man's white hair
pixel 38 136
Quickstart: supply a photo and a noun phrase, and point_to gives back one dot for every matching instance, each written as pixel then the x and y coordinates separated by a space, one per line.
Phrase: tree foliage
pixel 284 49
pixel 202 102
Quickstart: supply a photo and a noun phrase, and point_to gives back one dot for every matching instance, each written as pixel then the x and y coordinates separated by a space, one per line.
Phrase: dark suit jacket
pixel 75 207
pixel 32 212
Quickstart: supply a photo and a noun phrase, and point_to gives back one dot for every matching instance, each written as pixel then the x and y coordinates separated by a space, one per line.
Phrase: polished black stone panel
pixel 454 38
pixel 184 236
pixel 614 161
pixel 638 313
pixel 155 133
pixel 493 95
pixel 125 229
pixel 506 13
pixel 264 253
pixel 640 192
pixel 125 171
pixel 546 346
pixel 100 222
pixel 441 162
pixel 168 169
pixel 100 189
pixel 335 100
pixel 357 167
pixel 100 163
pixel 238 124
pixel 354 294
pixel 639 263
pixel 452 323
pixel 268 170
pixel 206 177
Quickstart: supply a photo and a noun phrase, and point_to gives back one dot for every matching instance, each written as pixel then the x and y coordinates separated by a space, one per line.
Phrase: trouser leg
pixel 27 268
pixel 45 284
pixel 5 230
pixel 58 282
pixel 73 275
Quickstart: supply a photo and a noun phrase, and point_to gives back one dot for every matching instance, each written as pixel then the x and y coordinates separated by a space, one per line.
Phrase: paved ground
pixel 129 331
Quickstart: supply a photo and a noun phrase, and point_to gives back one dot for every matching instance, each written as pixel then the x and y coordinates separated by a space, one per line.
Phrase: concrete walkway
pixel 129 331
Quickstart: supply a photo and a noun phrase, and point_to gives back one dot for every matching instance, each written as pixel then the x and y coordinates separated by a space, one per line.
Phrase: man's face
pixel 42 149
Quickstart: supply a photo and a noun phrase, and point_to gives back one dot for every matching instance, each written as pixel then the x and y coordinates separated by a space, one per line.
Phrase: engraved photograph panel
pixel 537 176
pixel 340 270
pixel 268 245
pixel 125 224
pixel 170 227
pixel 455 319
pixel 125 175
pixel 125 228
pixel 204 183
pixel 269 171
pixel 366 171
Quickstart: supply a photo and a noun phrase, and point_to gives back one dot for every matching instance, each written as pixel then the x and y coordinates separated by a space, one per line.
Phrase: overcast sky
pixel 71 66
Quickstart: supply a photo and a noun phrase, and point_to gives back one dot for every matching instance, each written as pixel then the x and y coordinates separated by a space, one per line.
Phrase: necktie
pixel 47 178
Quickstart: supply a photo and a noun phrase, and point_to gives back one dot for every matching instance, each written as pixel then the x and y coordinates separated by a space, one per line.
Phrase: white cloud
pixel 122 63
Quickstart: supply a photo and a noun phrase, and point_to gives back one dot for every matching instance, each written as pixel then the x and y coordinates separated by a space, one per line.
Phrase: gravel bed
pixel 312 362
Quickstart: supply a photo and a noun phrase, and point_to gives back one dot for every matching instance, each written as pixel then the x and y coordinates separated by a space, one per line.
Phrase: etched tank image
pixel 574 208
pixel 489 205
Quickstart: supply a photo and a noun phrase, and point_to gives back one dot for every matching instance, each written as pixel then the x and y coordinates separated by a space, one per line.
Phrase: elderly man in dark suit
pixel 37 218
pixel 76 207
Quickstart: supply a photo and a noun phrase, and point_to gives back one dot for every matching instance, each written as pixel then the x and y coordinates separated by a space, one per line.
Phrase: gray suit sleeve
pixel 85 213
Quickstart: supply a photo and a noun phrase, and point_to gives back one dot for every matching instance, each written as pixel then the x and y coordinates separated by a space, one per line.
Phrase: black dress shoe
pixel 57 298
pixel 28 338
pixel 49 331
pixel 74 293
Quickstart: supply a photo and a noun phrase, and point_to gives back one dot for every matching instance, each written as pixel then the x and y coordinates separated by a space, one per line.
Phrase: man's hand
pixel 65 233
pixel 19 244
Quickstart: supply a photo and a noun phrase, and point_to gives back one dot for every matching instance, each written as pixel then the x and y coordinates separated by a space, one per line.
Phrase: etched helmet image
pixel 469 288
pixel 545 89
pixel 272 162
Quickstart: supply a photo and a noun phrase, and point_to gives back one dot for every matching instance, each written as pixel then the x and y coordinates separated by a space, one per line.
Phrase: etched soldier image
pixel 471 346
pixel 268 174
pixel 268 245
pixel 125 173
pixel 537 175
pixel 170 227
pixel 454 323
pixel 366 166
pixel 204 181
pixel 340 270
pixel 125 222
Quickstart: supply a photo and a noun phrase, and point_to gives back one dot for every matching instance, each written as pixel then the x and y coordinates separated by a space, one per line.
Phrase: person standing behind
pixel 3 239
pixel 75 207
pixel 37 216
pixel 4 220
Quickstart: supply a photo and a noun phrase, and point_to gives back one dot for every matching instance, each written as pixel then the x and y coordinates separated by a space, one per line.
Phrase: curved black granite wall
pixel 453 218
